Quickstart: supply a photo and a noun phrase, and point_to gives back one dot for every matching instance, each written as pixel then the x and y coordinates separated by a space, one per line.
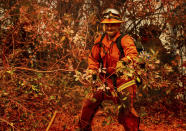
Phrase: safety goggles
pixel 111 14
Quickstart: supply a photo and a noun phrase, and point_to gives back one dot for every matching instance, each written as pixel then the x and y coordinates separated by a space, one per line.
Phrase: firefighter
pixel 106 54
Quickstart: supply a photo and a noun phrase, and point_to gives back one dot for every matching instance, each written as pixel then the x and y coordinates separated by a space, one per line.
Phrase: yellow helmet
pixel 111 15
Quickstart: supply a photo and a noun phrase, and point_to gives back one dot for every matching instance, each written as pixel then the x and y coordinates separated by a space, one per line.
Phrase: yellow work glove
pixel 123 62
pixel 93 73
pixel 120 64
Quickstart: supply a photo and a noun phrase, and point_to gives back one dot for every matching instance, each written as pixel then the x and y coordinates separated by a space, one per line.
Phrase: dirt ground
pixel 64 122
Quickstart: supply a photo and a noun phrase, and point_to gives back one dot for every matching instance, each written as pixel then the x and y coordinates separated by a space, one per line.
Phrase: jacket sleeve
pixel 129 48
pixel 93 58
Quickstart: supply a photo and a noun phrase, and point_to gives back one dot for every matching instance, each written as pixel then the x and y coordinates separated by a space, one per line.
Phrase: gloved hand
pixel 93 73
pixel 123 62
pixel 120 64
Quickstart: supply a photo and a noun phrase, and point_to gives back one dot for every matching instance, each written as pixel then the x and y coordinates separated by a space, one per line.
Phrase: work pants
pixel 127 115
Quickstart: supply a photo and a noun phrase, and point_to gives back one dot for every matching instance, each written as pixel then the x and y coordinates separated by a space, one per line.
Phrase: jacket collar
pixel 116 36
pixel 108 42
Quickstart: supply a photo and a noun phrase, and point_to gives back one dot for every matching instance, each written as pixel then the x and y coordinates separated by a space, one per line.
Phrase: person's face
pixel 112 28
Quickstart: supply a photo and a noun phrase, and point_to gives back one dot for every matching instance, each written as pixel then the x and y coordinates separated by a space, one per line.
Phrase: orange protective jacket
pixel 110 53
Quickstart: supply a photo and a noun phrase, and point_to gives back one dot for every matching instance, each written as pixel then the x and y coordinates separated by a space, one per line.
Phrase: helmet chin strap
pixel 104 30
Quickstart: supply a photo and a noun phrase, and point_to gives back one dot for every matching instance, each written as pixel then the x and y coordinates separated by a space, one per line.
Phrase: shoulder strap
pixel 100 42
pixel 139 47
pixel 118 42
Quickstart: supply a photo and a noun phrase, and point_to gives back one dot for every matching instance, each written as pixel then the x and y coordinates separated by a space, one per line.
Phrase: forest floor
pixel 64 122
pixel 68 117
